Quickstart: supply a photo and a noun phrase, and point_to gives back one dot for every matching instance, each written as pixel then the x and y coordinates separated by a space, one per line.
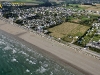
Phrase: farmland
pixel 90 7
pixel 67 31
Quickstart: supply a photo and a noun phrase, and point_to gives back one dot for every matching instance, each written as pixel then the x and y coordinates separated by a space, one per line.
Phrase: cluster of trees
pixel 46 4
pixel 94 49
pixel 10 15
pixel 87 20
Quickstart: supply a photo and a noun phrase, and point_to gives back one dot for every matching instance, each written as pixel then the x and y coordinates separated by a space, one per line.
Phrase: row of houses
pixel 92 43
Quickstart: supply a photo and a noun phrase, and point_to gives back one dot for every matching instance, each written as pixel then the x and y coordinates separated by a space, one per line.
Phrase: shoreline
pixel 65 64
pixel 21 38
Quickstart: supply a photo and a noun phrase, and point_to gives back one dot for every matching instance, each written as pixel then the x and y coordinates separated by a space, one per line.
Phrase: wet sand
pixel 63 55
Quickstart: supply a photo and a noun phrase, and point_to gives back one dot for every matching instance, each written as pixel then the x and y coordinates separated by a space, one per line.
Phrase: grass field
pixel 68 31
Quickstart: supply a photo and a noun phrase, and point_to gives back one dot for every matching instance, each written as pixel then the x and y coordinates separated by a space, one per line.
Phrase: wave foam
pixel 14 60
pixel 27 70
pixel 41 70
pixel 7 48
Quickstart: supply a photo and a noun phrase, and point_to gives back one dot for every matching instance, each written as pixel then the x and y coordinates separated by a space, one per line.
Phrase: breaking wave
pixel 17 59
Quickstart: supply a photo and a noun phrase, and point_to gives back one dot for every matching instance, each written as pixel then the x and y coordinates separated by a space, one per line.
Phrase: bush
pixel 67 38
pixel 85 21
pixel 19 22
pixel 94 49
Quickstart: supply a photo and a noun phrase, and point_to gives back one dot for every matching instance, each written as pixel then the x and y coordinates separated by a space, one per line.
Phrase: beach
pixel 64 55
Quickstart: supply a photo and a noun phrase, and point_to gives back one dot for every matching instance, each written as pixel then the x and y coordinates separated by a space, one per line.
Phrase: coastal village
pixel 50 37
pixel 41 19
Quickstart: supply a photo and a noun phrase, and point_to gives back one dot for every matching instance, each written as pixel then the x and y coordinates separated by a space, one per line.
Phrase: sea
pixel 17 59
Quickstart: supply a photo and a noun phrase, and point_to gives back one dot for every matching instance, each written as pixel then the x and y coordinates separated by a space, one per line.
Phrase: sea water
pixel 17 59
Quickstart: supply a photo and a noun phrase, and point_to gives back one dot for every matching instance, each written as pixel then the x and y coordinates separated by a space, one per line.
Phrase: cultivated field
pixel 90 7
pixel 68 30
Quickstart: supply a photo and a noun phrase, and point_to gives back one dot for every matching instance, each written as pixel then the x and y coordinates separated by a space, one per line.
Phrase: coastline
pixel 49 55
pixel 40 44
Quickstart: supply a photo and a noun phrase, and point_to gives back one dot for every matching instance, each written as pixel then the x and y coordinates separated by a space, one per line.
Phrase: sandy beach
pixel 65 55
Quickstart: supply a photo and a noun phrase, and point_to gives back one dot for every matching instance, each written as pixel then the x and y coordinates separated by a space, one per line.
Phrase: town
pixel 41 19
